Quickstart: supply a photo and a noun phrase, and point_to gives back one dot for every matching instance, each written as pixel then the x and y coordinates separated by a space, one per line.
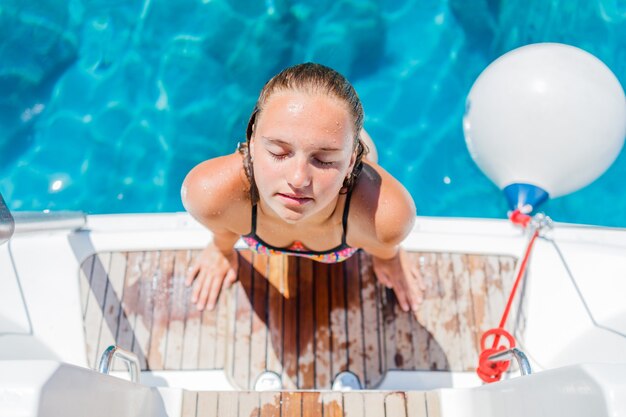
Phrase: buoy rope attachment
pixel 491 371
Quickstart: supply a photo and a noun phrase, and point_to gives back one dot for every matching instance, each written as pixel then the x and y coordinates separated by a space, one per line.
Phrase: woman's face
pixel 302 150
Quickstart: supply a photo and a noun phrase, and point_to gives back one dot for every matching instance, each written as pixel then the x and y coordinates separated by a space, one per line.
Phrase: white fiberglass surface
pixel 13 315
pixel 47 267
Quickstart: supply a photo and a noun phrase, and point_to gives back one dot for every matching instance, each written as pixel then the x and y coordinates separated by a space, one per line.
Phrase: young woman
pixel 300 185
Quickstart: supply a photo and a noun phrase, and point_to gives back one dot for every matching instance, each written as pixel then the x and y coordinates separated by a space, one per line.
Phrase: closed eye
pixel 324 163
pixel 278 156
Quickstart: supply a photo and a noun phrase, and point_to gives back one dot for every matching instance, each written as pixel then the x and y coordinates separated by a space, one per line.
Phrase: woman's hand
pixel 212 269
pixel 405 279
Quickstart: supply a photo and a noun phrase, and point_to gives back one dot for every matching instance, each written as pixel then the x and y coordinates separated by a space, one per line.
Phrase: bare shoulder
pixel 382 211
pixel 215 192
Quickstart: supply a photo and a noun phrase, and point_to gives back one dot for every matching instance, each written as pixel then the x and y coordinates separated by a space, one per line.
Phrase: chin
pixel 290 216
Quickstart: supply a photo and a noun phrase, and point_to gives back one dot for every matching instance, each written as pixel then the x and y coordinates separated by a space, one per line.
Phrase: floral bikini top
pixel 331 256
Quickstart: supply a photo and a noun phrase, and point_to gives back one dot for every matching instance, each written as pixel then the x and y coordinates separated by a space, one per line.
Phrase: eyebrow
pixel 282 142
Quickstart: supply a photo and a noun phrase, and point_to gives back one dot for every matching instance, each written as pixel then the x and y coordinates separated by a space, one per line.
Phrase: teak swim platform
pixel 303 320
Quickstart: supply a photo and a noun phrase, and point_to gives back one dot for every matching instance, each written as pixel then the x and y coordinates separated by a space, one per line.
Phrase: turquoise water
pixel 106 105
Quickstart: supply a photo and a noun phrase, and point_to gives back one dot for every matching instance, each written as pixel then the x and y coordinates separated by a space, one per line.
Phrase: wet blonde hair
pixel 310 78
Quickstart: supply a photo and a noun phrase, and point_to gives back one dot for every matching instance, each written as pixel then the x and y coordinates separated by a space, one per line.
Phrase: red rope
pixel 491 371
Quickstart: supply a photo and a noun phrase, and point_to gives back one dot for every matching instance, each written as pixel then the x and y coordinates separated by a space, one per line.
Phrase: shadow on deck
pixel 304 320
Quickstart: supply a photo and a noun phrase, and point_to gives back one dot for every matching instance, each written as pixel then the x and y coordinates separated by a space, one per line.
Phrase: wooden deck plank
pixel 84 277
pixel 506 276
pixel 270 404
pixel 381 301
pixel 338 324
pixel 395 404
pixel 161 310
pixel 227 404
pixel 449 329
pixel 433 355
pixel 433 404
pixel 277 280
pixel 353 404
pixel 179 304
pixel 332 404
pixel 208 339
pixel 190 403
pixel 495 290
pixel 306 330
pixel 222 329
pixel 291 404
pixel 419 342
pixel 478 291
pixel 374 404
pixel 372 329
pixel 95 305
pixel 248 404
pixel 420 335
pixel 421 339
pixel 321 305
pixel 207 404
pixel 402 350
pixel 387 310
pixel 193 323
pixel 112 306
pixel 258 337
pixel 290 323
pixel 311 404
pixel 243 320
pixel 496 300
pixel 465 312
pixel 438 313
pixel 416 404
pixel 143 324
pixel 130 301
pixel 354 317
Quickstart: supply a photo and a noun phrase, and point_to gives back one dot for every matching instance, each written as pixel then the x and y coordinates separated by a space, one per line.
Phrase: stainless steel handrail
pixel 7 223
pixel 34 221
pixel 520 357
pixel 131 360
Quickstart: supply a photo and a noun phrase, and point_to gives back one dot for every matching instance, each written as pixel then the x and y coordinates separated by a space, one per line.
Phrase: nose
pixel 299 175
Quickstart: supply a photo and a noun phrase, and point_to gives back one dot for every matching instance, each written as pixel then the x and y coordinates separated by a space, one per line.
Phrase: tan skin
pixel 302 149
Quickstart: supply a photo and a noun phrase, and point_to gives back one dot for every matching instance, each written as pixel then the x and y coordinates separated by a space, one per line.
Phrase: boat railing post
pixel 131 360
pixel 520 357
pixel 7 223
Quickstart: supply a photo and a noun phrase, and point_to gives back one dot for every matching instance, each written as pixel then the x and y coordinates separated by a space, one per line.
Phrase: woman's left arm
pixel 391 212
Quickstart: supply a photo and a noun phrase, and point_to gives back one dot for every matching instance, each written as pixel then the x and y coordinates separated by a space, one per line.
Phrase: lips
pixel 295 199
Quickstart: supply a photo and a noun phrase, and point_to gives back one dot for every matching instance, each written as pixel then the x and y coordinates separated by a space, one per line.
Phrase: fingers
pixel 216 286
pixel 231 277
pixel 204 293
pixel 415 292
pixel 191 274
pixel 399 288
pixel 201 281
pixel 417 274
pixel 384 279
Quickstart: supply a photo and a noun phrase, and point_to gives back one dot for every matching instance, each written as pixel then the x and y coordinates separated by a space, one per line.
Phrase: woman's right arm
pixel 212 194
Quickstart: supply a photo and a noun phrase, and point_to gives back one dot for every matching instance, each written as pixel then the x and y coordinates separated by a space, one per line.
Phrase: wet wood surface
pixel 310 404
pixel 303 320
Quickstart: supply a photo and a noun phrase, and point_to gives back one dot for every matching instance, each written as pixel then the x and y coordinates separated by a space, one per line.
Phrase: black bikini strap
pixel 253 232
pixel 344 221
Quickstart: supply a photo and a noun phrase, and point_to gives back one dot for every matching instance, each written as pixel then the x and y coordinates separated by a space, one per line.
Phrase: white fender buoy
pixel 544 120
